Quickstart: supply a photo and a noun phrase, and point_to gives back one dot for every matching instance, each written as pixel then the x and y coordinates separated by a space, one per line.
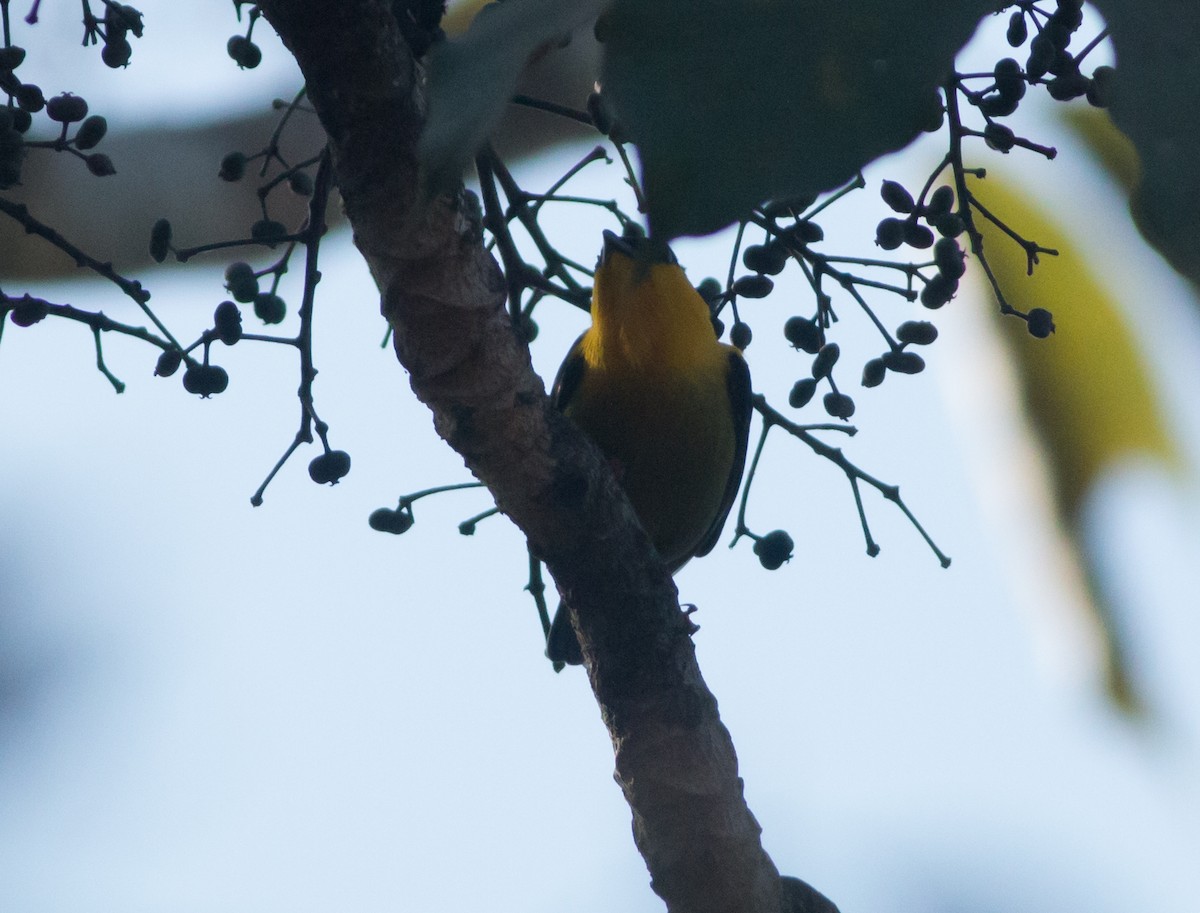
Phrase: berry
pixel 803 334
pixel 233 166
pixel 753 286
pixel 388 520
pixel 774 549
pixel 950 260
pixel 269 308
pixel 889 233
pixel 29 98
pixel 241 281
pixel 1018 31
pixel 90 132
pixel 916 332
pixel 839 405
pixel 168 363
pixel 330 467
pixel 116 51
pixel 205 380
pixel 873 373
pixel 301 183
pixel 11 58
pixel 1099 92
pixel 826 358
pixel 802 391
pixel 1041 323
pixel 66 108
pixel 917 235
pixel 941 201
pixel 227 321
pixel 765 258
pixel 740 335
pixel 160 240
pixel 949 225
pixel 100 165
pixel 999 137
pixel 268 230
pixel 245 53
pixel 938 290
pixel 28 312
pixel 805 232
pixel 710 290
pixel 903 362
pixel 896 197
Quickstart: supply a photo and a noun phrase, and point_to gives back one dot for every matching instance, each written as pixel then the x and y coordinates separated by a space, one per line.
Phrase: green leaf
pixel 735 102
pixel 473 78
pixel 1156 103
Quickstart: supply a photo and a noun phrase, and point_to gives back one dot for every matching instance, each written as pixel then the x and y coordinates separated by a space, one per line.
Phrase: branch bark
pixel 444 297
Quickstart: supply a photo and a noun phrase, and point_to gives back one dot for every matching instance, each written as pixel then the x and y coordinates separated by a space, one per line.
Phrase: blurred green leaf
pixel 735 102
pixel 1156 103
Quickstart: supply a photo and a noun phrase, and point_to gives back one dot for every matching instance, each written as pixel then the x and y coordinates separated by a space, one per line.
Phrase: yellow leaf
pixel 1086 388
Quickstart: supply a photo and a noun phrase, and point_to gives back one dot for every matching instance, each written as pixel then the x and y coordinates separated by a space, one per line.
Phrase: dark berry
pixel 938 290
pixel 160 240
pixel 100 165
pixel 897 197
pixel 917 235
pixel 116 51
pixel 753 286
pixel 233 166
pixel 1041 323
pixel 29 98
pixel 903 362
pixel 949 258
pixel 774 549
pixel 90 132
pixel 839 405
pixel 241 281
pixel 873 373
pixel 329 467
pixel 1018 31
pixel 826 358
pixel 765 258
pixel 1099 92
pixel 916 332
pixel 66 108
pixel 941 201
pixel 710 290
pixel 268 230
pixel 998 137
pixel 301 183
pixel 803 334
pixel 802 391
pixel 227 321
pixel 889 233
pixel 205 380
pixel 28 312
pixel 740 334
pixel 388 520
pixel 245 53
pixel 168 363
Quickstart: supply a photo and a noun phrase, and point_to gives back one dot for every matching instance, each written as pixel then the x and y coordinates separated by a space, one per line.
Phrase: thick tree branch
pixel 444 297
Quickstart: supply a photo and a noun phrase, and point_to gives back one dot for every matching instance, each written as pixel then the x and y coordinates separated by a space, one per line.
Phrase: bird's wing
pixel 738 382
pixel 570 374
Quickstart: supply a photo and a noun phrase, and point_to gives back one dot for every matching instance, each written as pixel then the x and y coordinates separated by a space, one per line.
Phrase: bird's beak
pixel 615 244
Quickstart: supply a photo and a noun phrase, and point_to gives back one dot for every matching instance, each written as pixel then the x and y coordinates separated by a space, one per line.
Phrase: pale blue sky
pixel 265 709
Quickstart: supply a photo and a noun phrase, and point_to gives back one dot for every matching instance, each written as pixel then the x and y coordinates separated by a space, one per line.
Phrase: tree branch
pixel 444 296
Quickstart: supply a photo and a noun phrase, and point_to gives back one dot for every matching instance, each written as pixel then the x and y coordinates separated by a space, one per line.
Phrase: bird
pixel 666 401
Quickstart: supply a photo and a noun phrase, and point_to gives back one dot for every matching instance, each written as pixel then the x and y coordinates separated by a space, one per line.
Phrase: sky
pixel 208 706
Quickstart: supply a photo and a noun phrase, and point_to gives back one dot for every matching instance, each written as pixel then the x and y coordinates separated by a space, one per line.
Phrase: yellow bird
pixel 663 398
